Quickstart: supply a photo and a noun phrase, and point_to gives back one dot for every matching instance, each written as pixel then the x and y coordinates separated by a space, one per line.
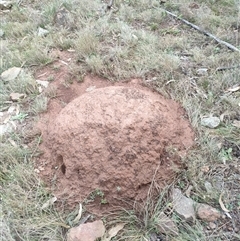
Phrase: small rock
pixel 207 213
pixel 166 225
pixel 42 32
pixel 211 122
pixel 202 71
pixel 212 225
pixel 4 5
pixel 44 83
pixel 16 96
pixel 87 231
pixel 11 73
pixel 183 206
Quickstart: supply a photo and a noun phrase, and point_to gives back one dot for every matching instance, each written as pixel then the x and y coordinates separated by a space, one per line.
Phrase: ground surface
pixel 132 40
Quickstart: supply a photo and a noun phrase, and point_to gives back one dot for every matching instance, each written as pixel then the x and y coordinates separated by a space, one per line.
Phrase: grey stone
pixel 11 74
pixel 183 206
pixel 42 32
pixel 202 71
pixel 211 122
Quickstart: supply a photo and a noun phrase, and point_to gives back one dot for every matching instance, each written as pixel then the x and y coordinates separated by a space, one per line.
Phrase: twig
pixel 84 219
pixel 227 68
pixel 230 46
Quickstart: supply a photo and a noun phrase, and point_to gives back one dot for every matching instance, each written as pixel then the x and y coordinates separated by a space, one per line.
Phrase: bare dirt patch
pixel 104 143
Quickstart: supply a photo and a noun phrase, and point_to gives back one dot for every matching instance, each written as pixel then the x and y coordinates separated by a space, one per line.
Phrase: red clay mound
pixel 114 141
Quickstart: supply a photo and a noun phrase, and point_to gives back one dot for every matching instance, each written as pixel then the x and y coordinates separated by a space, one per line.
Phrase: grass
pixel 143 220
pixel 136 39
pixel 22 195
pixel 39 104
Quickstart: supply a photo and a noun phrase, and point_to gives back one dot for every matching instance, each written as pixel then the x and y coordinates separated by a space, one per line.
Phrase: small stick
pixel 84 219
pixel 227 68
pixel 230 46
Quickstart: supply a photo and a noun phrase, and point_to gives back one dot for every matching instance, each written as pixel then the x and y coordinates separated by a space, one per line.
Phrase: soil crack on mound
pixel 115 140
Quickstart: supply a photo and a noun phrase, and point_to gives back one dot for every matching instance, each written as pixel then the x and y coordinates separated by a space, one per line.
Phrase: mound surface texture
pixel 116 139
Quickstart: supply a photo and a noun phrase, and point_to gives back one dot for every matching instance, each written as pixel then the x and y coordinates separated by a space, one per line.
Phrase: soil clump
pixel 107 144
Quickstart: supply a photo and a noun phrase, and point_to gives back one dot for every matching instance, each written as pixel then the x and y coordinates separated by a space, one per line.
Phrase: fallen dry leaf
pixel 113 232
pixel 49 203
pixel 87 232
pixel 234 89
pixel 13 143
pixel 222 205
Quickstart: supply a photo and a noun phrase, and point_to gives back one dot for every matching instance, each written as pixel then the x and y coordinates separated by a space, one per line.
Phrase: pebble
pixel 202 71
pixel 42 32
pixel 11 74
pixel 210 122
